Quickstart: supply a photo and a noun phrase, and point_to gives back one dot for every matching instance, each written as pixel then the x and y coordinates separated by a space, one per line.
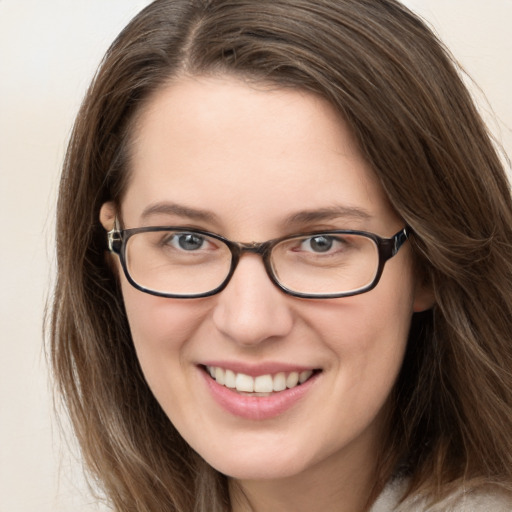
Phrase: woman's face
pixel 254 163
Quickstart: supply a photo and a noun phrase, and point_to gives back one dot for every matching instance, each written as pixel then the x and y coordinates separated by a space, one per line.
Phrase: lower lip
pixel 257 407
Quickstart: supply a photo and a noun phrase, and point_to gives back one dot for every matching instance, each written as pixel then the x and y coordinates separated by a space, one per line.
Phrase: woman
pixel 284 248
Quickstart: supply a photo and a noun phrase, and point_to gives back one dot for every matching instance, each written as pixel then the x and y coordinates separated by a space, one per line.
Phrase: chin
pixel 249 471
pixel 258 464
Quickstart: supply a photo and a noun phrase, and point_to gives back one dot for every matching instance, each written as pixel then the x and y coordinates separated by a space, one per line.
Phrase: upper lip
pixel 255 369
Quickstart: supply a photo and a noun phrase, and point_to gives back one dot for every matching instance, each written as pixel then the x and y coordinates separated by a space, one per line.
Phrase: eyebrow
pixel 298 218
pixel 179 210
pixel 323 214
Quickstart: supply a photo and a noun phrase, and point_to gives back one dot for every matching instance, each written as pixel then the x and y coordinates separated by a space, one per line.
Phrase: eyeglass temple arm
pixel 400 238
pixel 115 238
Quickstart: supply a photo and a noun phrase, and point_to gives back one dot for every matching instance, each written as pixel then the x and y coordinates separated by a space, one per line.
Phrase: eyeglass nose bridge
pixel 262 248
pixel 254 247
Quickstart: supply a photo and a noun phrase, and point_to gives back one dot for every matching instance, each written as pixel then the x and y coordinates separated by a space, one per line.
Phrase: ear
pixel 423 297
pixel 108 215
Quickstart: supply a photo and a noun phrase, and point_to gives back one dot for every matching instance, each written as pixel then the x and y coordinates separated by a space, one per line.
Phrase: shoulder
pixel 461 500
pixel 390 497
pixel 473 501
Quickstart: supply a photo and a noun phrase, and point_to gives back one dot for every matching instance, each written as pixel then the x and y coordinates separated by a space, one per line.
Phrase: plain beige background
pixel 48 53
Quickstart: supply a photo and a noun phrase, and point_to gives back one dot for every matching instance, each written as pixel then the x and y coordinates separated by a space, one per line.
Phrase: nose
pixel 251 309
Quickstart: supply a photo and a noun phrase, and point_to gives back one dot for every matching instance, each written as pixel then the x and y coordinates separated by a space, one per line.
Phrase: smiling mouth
pixel 262 385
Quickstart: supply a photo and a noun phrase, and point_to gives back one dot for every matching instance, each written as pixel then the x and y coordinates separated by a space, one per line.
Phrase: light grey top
pixel 459 501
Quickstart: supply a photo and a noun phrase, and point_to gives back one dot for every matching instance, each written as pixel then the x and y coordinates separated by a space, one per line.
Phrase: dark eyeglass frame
pixel 387 248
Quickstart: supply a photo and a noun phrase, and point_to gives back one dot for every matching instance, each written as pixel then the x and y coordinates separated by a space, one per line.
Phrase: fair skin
pixel 244 160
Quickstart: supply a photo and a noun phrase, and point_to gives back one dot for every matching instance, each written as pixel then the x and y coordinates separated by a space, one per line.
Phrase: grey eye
pixel 321 243
pixel 189 241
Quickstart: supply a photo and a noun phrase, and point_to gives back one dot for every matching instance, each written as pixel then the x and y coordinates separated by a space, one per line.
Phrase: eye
pixel 187 241
pixel 319 243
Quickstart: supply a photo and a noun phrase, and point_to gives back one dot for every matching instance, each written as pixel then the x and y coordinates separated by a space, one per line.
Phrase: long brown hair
pixel 401 95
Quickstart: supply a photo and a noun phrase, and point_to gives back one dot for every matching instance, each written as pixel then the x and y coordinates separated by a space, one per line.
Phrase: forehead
pixel 246 153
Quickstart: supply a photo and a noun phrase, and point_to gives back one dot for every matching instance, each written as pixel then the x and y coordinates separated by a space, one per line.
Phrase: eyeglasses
pixel 186 263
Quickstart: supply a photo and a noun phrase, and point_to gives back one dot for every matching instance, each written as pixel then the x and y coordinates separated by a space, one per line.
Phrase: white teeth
pixel 219 375
pixel 292 380
pixel 230 379
pixel 244 383
pixel 279 382
pixel 261 385
pixel 304 376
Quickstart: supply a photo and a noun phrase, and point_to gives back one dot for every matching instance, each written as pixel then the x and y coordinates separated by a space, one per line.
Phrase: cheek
pixel 160 329
pixel 376 322
pixel 367 337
